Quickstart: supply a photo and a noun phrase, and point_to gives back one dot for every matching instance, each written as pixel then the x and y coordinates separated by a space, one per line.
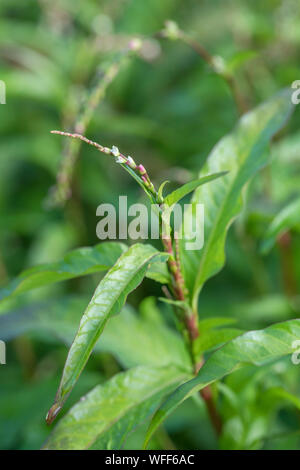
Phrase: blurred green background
pixel 167 109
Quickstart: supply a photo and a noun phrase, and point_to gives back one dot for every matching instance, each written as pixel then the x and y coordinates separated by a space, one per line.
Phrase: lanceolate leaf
pixel 77 263
pixel 286 219
pixel 242 154
pixel 107 300
pixel 176 303
pixel 161 188
pixel 187 188
pixel 126 336
pixel 253 348
pixel 103 418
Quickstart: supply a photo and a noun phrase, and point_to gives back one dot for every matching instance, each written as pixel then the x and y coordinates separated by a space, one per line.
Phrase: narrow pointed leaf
pixel 139 181
pixel 253 348
pixel 77 263
pixel 176 303
pixel 126 336
pixel 107 300
pixel 105 416
pixel 242 153
pixel 161 188
pixel 187 188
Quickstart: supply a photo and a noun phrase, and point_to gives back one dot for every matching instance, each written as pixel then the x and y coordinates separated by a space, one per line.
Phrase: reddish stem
pixel 193 330
pixel 207 395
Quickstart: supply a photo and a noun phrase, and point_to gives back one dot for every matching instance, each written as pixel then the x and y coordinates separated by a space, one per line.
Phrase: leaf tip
pixel 52 413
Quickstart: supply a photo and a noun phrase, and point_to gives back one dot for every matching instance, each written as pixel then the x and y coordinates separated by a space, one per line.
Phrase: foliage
pixel 213 361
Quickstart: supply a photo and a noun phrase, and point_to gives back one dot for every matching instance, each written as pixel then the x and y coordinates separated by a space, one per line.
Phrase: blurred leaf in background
pixel 168 107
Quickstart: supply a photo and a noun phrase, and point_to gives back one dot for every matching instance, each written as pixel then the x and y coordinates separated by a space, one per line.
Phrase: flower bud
pixel 171 30
pixel 141 169
pixel 115 151
pixel 131 162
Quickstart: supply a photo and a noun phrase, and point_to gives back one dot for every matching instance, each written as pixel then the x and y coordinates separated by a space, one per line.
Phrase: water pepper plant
pixel 165 364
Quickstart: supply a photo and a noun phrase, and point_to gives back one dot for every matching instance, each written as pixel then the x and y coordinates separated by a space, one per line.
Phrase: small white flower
pixel 115 151
pixel 120 159
pixel 131 161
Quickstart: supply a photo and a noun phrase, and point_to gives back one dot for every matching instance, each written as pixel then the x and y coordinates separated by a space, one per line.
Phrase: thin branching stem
pixel 173 32
pixel 61 192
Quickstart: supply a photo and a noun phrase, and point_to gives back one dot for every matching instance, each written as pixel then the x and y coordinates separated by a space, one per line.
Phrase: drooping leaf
pixel 242 153
pixel 286 219
pixel 125 336
pixel 79 262
pixel 252 348
pixel 107 300
pixel 105 416
pixel 187 188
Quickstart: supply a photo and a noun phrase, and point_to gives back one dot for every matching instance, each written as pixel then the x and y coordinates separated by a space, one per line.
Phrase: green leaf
pixel 214 338
pixel 176 303
pixel 215 322
pixel 214 333
pixel 282 395
pixel 125 336
pixel 161 188
pixel 187 188
pixel 77 263
pixel 139 181
pixel 105 416
pixel 242 153
pixel 107 300
pixel 142 339
pixel 158 272
pixel 253 348
pixel 288 218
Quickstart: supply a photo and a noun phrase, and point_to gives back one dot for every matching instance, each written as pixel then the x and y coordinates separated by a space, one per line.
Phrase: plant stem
pixel 191 324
